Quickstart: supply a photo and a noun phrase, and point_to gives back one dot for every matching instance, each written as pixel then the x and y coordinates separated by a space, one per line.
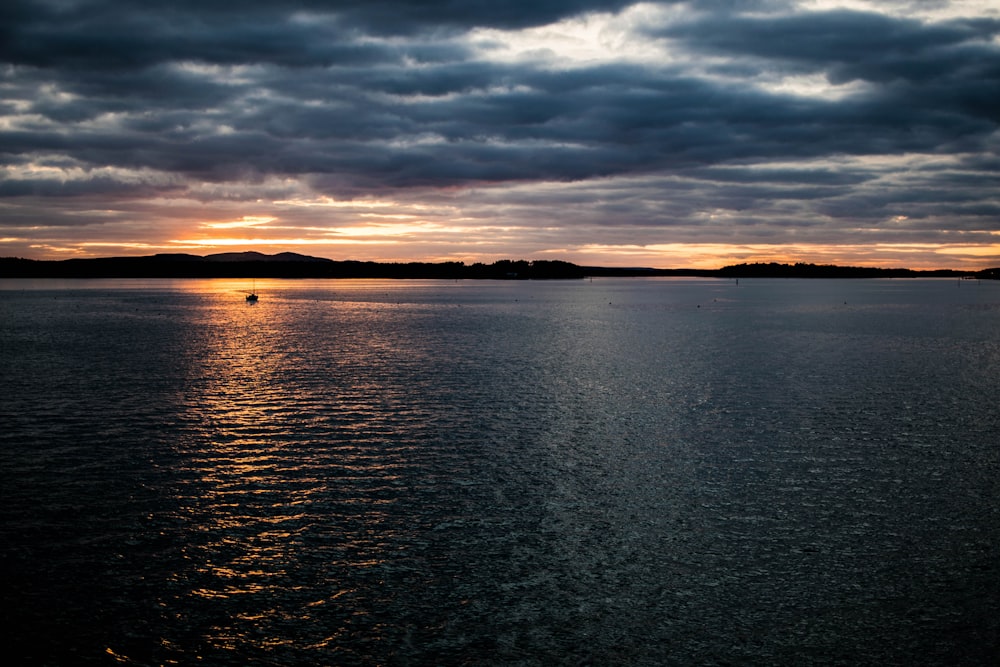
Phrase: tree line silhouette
pixel 289 265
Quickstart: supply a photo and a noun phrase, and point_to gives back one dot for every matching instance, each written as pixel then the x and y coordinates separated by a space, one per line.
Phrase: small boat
pixel 252 294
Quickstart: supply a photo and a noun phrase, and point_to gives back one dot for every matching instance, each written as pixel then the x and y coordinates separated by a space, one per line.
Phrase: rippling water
pixel 617 472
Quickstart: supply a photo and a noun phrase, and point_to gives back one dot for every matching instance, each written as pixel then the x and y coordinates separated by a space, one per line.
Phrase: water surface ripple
pixel 617 472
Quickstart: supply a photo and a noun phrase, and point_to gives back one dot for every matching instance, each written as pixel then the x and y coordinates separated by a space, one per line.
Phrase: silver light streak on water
pixel 623 472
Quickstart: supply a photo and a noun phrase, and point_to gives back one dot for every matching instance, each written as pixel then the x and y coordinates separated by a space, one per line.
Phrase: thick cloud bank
pixel 462 129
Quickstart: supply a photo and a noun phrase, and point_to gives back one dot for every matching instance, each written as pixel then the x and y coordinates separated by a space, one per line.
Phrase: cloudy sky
pixel 667 134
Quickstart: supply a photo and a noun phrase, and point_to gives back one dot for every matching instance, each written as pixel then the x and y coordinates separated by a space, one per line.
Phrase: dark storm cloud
pixel 129 41
pixel 119 33
pixel 359 97
pixel 950 67
pixel 858 45
pixel 821 177
pixel 92 186
pixel 116 61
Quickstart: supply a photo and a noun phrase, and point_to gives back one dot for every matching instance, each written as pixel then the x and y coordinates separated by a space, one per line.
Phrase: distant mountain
pixel 173 257
pixel 251 256
pixel 173 265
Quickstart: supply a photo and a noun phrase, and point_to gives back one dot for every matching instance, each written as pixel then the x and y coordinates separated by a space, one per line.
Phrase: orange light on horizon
pixel 245 221
pixel 403 242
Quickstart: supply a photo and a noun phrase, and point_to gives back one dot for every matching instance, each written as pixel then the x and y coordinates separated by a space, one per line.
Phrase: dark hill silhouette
pixel 802 270
pixel 293 265
pixel 283 265
pixel 252 256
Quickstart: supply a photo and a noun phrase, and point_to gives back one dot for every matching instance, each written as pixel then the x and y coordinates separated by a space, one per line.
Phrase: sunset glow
pixel 663 134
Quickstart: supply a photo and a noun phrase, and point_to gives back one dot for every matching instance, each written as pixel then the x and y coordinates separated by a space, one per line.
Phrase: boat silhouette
pixel 252 294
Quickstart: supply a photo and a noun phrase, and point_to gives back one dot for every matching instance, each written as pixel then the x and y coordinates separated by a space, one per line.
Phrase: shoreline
pixel 256 265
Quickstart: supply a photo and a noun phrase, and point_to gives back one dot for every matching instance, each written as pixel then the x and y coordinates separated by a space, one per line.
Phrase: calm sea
pixel 616 472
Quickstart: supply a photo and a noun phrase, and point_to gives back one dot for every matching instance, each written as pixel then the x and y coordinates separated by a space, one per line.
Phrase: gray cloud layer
pixel 353 98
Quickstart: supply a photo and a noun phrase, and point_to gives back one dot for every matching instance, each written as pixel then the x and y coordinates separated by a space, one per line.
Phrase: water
pixel 622 472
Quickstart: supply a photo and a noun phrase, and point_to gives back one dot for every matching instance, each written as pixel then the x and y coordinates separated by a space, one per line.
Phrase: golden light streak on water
pixel 617 472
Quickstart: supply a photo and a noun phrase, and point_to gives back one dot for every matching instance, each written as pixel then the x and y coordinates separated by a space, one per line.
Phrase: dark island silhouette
pixel 292 265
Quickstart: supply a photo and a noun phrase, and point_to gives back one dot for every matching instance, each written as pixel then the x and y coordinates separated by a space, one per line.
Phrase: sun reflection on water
pixel 295 458
pixel 618 472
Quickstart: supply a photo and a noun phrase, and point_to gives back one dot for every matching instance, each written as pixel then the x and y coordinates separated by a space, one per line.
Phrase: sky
pixel 601 132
